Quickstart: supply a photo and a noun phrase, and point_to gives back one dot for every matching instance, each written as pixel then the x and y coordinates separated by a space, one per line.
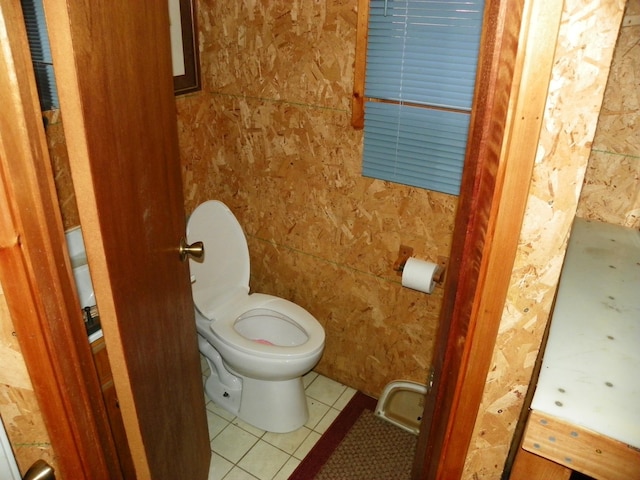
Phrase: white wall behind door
pixel 8 466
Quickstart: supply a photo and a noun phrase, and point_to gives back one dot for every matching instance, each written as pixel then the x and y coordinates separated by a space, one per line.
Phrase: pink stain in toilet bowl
pixel 263 342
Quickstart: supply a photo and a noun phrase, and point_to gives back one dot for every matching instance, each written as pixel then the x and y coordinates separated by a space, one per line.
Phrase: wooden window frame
pixel 360 65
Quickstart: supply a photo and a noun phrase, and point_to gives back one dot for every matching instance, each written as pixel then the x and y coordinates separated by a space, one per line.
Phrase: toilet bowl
pixel 257 346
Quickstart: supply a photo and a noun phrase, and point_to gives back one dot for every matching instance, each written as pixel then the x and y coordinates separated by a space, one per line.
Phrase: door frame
pixel 35 273
pixel 514 71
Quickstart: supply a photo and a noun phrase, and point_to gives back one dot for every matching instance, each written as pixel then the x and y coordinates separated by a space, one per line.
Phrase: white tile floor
pixel 243 452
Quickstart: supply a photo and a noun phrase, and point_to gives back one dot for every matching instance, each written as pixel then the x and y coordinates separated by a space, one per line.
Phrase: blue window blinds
pixel 34 20
pixel 421 67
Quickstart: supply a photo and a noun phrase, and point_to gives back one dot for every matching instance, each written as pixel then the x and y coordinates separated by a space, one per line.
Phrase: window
pixel 40 53
pixel 421 58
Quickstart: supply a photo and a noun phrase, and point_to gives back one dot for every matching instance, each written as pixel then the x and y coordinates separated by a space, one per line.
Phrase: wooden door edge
pixel 490 226
pixel 533 66
pixel 472 218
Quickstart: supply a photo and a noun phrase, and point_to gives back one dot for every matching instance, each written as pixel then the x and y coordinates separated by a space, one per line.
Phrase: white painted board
pixel 590 372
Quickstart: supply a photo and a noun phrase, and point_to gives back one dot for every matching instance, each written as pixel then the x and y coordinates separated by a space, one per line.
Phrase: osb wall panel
pixel 269 135
pixel 580 73
pixel 62 174
pixel 611 190
pixel 293 51
pixel 18 406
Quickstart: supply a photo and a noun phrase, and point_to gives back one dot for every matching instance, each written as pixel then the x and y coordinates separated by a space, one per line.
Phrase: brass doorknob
pixel 40 470
pixel 195 250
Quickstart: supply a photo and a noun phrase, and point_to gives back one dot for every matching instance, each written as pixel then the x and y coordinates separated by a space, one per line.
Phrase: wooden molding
pixel 360 66
pixel 493 82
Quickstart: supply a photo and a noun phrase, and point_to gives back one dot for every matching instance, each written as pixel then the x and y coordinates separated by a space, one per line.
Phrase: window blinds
pixel 33 12
pixel 421 62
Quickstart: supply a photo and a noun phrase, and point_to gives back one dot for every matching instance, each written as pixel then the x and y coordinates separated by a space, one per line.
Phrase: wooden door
pixel 113 71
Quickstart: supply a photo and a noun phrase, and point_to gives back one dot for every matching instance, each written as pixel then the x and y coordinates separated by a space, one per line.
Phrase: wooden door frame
pixel 35 273
pixel 511 94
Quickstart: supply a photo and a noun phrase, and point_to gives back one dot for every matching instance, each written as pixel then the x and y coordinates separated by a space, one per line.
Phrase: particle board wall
pixel 18 405
pixel 580 72
pixel 611 191
pixel 270 136
pixel 62 174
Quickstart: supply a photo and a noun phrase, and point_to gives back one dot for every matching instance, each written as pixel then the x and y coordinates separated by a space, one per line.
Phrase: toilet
pixel 257 346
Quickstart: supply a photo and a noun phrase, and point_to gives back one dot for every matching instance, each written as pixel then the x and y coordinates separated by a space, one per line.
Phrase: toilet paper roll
pixel 418 275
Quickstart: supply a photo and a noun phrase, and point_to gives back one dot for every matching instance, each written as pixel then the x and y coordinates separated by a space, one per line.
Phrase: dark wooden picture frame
pixel 185 35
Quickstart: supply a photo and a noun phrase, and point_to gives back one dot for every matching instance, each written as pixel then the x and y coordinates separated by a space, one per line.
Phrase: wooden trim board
pixel 360 66
pixel 528 466
pixel 580 449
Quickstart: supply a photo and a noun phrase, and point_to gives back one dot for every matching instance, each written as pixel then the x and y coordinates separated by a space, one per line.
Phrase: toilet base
pixel 223 395
pixel 274 406
pixel 277 406
pixel 221 387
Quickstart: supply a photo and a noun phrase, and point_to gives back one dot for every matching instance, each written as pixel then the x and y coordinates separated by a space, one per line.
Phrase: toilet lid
pixel 224 270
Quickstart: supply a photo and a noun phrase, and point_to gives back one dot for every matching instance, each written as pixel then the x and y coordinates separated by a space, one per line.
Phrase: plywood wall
pixel 62 173
pixel 583 55
pixel 18 406
pixel 270 136
pixel 611 190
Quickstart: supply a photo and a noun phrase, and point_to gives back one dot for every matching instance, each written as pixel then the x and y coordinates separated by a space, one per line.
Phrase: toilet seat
pixel 226 332
pixel 220 286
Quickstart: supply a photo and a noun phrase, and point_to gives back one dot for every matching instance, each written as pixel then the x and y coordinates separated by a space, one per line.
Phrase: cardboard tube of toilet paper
pixel 418 275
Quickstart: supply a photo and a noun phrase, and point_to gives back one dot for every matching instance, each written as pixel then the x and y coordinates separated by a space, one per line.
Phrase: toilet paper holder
pixel 405 252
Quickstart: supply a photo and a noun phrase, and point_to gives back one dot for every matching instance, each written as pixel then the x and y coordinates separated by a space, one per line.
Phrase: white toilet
pixel 257 346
